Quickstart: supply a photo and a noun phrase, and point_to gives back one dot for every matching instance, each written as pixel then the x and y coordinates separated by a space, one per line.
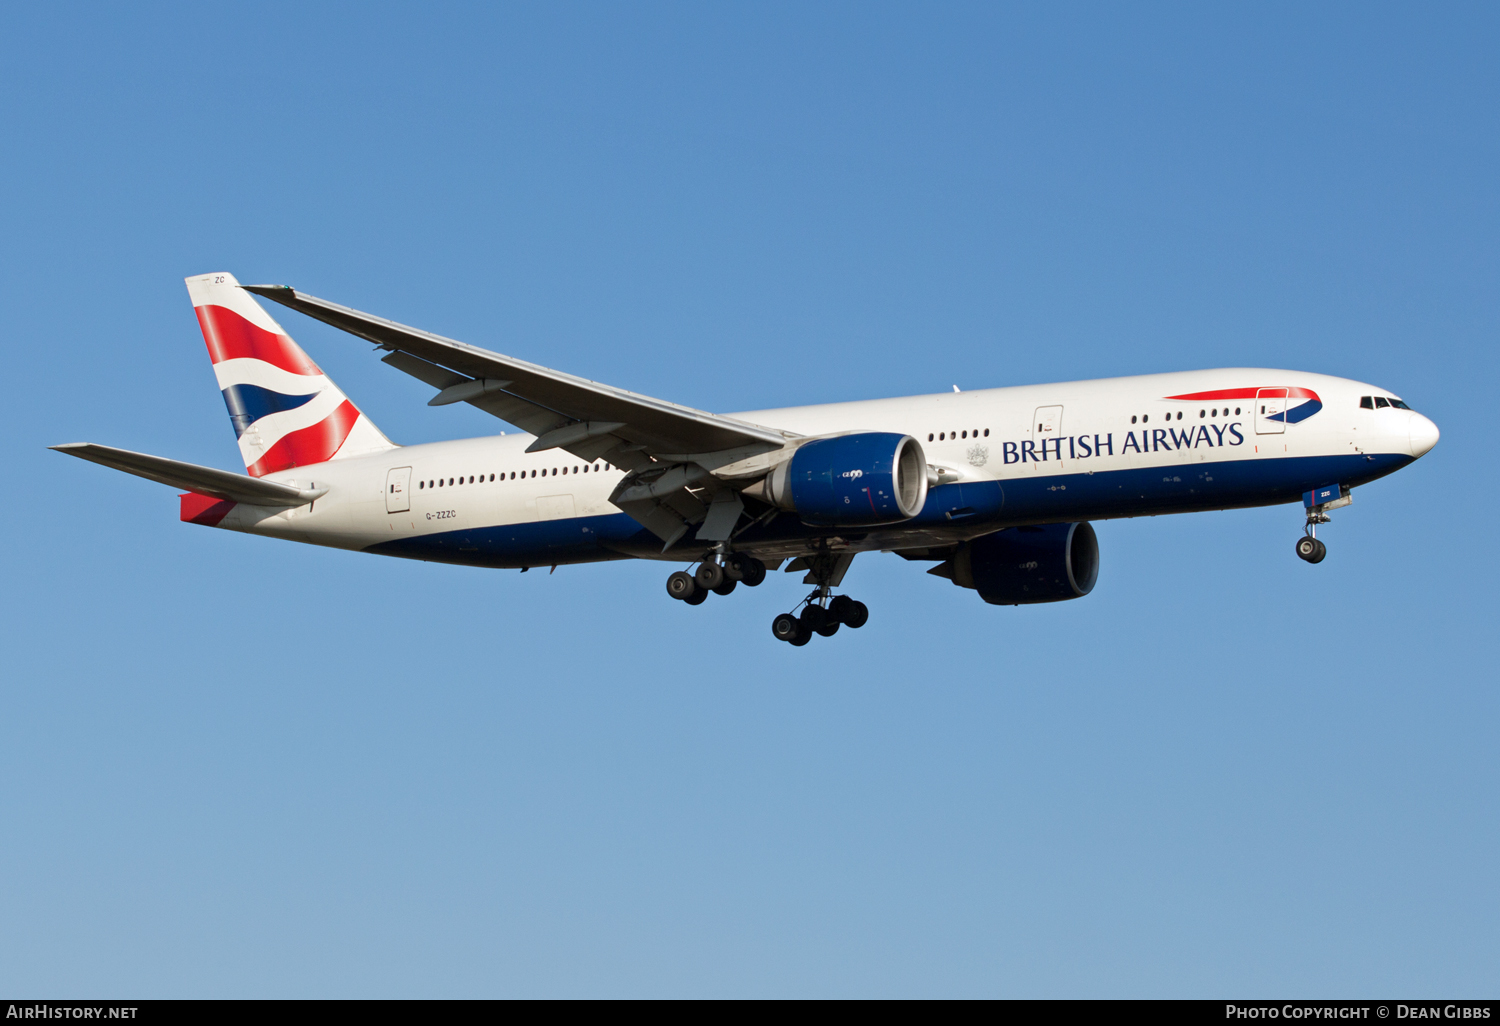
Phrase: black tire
pixel 697 598
pixel 859 615
pixel 726 587
pixel 681 585
pixel 709 575
pixel 752 572
pixel 1318 556
pixel 813 618
pixel 801 639
pixel 830 628
pixel 786 627
pixel 839 607
pixel 1307 548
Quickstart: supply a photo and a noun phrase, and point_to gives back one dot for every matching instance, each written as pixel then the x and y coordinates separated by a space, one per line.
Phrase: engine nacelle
pixel 1022 565
pixel 874 477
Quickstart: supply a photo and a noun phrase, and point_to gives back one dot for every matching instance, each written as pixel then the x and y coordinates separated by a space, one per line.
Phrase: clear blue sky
pixel 234 766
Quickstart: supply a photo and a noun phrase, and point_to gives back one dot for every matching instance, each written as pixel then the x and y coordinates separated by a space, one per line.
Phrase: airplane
pixel 996 487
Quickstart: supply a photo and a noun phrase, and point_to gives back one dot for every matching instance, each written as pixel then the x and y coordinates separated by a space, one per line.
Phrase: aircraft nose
pixel 1424 434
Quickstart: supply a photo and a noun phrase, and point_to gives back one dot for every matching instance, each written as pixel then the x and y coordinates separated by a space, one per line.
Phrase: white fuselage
pixel 1122 446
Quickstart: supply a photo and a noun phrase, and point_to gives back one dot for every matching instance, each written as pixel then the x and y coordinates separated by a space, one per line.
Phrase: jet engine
pixel 868 478
pixel 1022 565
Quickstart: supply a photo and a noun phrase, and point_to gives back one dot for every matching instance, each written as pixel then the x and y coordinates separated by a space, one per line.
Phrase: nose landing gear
pixel 1318 502
pixel 1310 549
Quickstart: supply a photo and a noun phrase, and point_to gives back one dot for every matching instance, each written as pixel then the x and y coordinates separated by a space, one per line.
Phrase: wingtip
pixel 270 291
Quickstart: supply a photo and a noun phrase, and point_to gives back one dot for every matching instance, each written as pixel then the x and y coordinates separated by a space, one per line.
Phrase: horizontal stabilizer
pixel 219 484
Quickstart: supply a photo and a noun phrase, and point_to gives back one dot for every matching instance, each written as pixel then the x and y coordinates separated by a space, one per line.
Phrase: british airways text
pixel 1155 440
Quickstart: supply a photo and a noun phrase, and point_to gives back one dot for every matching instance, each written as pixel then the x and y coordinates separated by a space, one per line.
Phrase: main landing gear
pixel 721 578
pixel 823 612
pixel 822 615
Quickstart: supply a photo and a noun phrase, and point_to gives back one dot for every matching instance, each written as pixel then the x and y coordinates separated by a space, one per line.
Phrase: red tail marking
pixel 231 337
pixel 1243 393
pixel 313 444
pixel 204 509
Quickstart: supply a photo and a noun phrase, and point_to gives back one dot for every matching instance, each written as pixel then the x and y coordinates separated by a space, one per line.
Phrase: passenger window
pixel 420 483
pixel 1381 402
pixel 1366 402
pixel 986 432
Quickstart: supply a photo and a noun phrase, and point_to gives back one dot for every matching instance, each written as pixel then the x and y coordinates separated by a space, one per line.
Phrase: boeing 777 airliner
pixel 995 487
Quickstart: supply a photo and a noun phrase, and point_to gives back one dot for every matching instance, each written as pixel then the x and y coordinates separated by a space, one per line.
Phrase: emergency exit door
pixel 398 490
pixel 1270 411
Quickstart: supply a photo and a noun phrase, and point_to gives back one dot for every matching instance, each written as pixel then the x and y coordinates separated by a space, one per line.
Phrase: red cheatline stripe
pixel 313 444
pixel 204 509
pixel 231 337
pixel 1244 393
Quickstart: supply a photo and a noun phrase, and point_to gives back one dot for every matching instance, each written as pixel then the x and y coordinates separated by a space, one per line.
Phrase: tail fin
pixel 286 412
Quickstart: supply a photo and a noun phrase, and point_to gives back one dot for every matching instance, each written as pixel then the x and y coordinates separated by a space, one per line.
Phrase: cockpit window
pixel 1398 404
pixel 1381 402
pixel 1366 402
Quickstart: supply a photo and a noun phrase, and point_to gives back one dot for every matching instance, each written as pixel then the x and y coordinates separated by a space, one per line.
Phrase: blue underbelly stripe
pixel 1103 495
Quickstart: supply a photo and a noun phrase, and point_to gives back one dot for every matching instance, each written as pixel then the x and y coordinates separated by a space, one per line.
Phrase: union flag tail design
pixel 286 412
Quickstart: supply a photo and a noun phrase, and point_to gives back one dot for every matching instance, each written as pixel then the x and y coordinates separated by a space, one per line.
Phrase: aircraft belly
pixel 536 543
pixel 1186 488
pixel 953 512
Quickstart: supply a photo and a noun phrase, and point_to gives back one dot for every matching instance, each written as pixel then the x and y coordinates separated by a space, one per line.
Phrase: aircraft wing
pixel 558 408
pixel 671 451
pixel 219 484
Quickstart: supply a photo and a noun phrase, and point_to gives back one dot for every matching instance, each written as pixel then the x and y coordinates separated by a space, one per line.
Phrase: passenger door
pixel 1046 428
pixel 1270 402
pixel 398 490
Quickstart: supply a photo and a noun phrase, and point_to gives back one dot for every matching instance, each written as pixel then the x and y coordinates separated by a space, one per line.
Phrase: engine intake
pixel 1024 565
pixel 869 478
